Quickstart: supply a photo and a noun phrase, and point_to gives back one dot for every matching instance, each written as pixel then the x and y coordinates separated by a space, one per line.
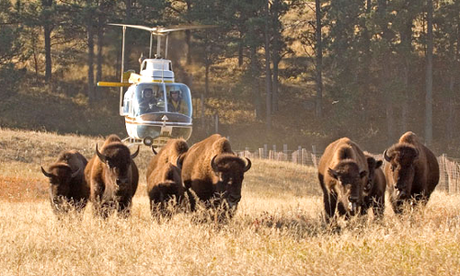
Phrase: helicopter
pixel 155 107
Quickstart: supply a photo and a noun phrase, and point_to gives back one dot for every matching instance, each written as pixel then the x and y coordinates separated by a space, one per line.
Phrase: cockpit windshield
pixel 158 97
pixel 148 98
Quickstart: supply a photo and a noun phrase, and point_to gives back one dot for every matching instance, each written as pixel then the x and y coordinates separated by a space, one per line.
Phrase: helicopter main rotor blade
pixel 164 30
pixel 154 29
pixel 182 28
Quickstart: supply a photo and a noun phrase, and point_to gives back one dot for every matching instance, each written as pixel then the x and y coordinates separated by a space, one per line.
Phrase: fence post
pixel 285 151
pixel 300 158
pixel 261 153
pixel 265 150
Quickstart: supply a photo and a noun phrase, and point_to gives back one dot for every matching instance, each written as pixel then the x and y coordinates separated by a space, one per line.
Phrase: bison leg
pixel 124 209
pixel 103 209
pixel 396 204
pixel 330 204
pixel 378 206
pixel 192 199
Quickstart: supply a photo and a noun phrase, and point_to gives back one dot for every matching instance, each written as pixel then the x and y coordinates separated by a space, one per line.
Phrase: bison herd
pixel 352 181
pixel 209 171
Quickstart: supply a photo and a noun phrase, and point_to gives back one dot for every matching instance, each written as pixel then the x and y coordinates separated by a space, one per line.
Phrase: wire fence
pixel 449 168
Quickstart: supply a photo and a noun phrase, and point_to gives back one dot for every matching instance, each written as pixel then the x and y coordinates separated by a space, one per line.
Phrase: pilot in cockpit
pixel 148 102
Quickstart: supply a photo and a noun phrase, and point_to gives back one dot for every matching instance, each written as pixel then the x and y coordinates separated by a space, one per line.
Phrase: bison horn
pixel 333 173
pixel 154 151
pixel 100 155
pixel 213 164
pixel 47 174
pixel 136 153
pixel 179 161
pixel 75 173
pixel 387 158
pixel 248 164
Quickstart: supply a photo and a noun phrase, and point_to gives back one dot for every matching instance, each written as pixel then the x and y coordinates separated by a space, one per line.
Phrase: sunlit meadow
pixel 278 228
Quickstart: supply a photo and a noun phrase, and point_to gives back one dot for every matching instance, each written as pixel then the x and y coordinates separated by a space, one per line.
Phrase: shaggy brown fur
pixel 68 188
pixel 213 172
pixel 164 181
pixel 113 177
pixel 374 191
pixel 412 172
pixel 342 173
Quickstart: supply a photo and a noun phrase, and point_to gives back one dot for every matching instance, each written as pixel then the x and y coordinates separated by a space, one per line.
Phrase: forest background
pixel 301 73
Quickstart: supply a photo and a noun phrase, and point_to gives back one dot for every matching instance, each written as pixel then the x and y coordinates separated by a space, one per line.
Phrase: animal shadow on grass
pixel 296 225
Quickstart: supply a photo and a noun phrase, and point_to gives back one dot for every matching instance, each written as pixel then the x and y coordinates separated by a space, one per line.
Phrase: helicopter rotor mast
pixel 162 31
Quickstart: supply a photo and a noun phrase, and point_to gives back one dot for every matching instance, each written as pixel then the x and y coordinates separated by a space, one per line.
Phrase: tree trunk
pixel 255 82
pixel 100 47
pixel 406 42
pixel 319 62
pixel 268 74
pixel 188 35
pixel 48 66
pixel 240 51
pixel 385 79
pixel 47 29
pixel 429 76
pixel 90 34
pixel 276 27
pixel 128 4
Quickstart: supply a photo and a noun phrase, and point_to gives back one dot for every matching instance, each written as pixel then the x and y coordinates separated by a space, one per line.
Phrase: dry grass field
pixel 278 229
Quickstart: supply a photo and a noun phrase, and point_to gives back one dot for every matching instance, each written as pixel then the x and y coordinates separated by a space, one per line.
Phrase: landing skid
pixel 158 142
pixel 132 141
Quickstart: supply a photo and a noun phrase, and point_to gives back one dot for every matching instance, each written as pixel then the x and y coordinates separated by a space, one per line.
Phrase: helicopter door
pixel 127 102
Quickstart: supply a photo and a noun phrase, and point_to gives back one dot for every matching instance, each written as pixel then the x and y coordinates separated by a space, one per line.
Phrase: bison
pixel 68 188
pixel 342 173
pixel 374 191
pixel 164 182
pixel 113 177
pixel 412 171
pixel 213 173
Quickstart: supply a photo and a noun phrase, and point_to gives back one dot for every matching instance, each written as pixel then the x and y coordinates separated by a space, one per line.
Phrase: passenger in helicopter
pixel 148 102
pixel 175 102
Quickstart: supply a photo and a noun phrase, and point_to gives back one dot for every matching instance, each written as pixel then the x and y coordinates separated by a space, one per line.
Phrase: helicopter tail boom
pixel 113 84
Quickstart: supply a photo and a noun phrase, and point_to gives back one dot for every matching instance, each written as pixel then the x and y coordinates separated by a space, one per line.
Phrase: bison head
pixel 401 163
pixel 117 158
pixel 230 171
pixel 60 176
pixel 349 184
pixel 372 165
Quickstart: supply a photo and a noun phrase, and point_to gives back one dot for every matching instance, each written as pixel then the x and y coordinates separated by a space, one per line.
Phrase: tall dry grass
pixel 277 230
